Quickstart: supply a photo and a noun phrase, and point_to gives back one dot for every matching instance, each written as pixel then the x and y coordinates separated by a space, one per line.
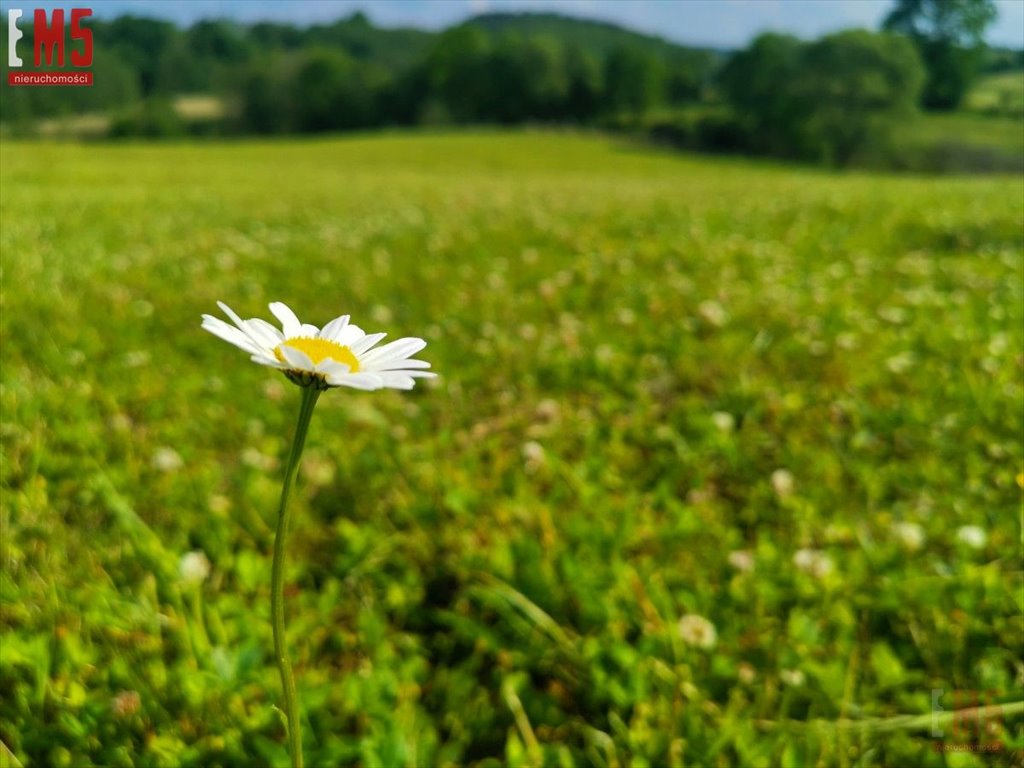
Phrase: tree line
pixel 820 100
pixel 350 74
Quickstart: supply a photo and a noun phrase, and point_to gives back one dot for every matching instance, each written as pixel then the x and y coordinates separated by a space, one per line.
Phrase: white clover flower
pixel 782 482
pixel 814 562
pixel 548 410
pixel 534 455
pixel 713 313
pixel 901 363
pixel 723 420
pixel 910 535
pixel 340 354
pixel 742 560
pixel 792 677
pixel 698 631
pixel 167 459
pixel 533 451
pixel 194 567
pixel 972 536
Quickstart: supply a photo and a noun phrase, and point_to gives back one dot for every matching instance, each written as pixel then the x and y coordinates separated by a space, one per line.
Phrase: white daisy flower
pixel 340 354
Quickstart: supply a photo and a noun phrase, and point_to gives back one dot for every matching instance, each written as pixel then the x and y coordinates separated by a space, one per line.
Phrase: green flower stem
pixel 291 708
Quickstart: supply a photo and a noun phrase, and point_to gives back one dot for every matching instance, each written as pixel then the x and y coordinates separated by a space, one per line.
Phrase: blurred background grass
pixel 723 466
pixel 785 402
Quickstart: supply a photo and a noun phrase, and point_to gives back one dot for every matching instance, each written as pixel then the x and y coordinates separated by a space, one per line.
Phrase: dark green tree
pixel 329 91
pixel 263 98
pixel 583 74
pixel 828 100
pixel 459 74
pixel 687 72
pixel 949 35
pixel 757 82
pixel 139 43
pixel 853 87
pixel 527 80
pixel 633 81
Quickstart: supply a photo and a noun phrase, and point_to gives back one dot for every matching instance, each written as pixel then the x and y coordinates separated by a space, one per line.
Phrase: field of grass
pixel 723 466
pixel 1001 93
pixel 1005 134
pixel 958 143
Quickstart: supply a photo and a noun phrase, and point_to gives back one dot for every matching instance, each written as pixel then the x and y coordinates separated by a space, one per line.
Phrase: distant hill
pixel 395 47
pixel 599 37
pixel 272 77
pixel 391 47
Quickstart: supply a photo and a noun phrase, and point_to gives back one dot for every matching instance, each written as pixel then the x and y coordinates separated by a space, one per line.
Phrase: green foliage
pixel 633 81
pixel 328 93
pixel 138 42
pixel 154 118
pixel 596 37
pixel 116 85
pixel 492 569
pixel 854 87
pixel 828 100
pixel 349 74
pixel 265 98
pixel 949 35
pixel 583 99
pixel 959 22
pixel 758 82
pixel 951 70
pixel 457 77
pixel 998 59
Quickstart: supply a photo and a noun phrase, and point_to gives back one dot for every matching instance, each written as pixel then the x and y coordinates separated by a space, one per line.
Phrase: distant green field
pixel 785 401
pixel 1002 133
pixel 1002 92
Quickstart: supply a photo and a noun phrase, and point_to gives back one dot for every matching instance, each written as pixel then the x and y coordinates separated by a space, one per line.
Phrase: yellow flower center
pixel 319 350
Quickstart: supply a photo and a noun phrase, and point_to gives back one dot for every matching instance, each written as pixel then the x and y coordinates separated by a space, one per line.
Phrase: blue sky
pixel 726 23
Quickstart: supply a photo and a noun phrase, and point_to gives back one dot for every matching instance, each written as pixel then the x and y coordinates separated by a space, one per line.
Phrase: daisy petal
pixel 289 322
pixel 270 362
pixel 296 358
pixel 264 332
pixel 396 349
pixel 331 368
pixel 365 381
pixel 365 343
pixel 234 317
pixel 232 335
pixel 350 334
pixel 310 330
pixel 397 381
pixel 393 365
pixel 333 328
pixel 243 325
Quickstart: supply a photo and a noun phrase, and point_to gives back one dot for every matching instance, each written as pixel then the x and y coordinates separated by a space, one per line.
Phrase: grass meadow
pixel 723 466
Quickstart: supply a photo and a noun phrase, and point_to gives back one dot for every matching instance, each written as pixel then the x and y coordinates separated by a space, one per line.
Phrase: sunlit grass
pixel 1002 92
pixel 671 387
pixel 1003 133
